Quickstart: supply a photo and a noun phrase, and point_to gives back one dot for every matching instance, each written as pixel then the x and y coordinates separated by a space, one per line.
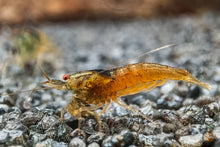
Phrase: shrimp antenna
pixel 44 73
pixel 35 89
pixel 144 54
pixel 151 51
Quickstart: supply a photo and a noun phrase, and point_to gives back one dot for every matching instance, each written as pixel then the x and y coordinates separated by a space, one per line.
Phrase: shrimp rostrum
pixel 94 89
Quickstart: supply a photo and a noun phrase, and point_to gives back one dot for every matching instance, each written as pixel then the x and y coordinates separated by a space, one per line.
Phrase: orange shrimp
pixel 99 87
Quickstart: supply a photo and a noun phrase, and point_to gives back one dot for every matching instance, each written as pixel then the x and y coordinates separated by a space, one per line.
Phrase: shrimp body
pixel 99 87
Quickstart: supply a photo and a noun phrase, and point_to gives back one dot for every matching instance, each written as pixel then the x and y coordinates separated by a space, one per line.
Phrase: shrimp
pixel 95 89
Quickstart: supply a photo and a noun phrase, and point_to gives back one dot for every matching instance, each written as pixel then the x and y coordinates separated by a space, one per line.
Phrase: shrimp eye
pixel 66 77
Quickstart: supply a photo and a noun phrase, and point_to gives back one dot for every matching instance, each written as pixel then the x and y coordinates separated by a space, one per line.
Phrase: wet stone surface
pixel 182 114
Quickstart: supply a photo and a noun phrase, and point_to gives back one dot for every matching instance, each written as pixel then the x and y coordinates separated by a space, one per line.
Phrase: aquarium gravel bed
pixel 188 115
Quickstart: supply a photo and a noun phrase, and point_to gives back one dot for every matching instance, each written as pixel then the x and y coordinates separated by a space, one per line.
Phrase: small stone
pixel 120 111
pixel 191 140
pixel 192 114
pixel 94 144
pixel 197 129
pixel 37 137
pixel 29 118
pixel 4 136
pixel 12 135
pixel 77 142
pixel 167 88
pixel 169 101
pixel 107 142
pixel 59 144
pixel 194 91
pixel 171 143
pixel 182 89
pixel 169 127
pixel 187 102
pixel 3 108
pixel 51 143
pixel 49 121
pixel 212 109
pixel 169 116
pixel 125 138
pixel 152 128
pixel 216 132
pixel 98 137
pixel 154 140
pixel 183 131
pixel 63 132
pixel 46 97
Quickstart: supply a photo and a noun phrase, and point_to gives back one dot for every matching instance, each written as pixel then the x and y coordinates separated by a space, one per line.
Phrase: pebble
pixel 123 139
pixel 97 137
pixel 49 121
pixel 197 129
pixel 216 132
pixel 183 89
pixel 169 102
pixel 194 91
pixel 191 114
pixel 63 132
pixel 51 143
pixel 167 88
pixel 9 136
pixel 3 108
pixel 120 111
pixel 29 118
pixel 183 131
pixel 94 144
pixel 154 140
pixel 37 137
pixel 77 142
pixel 191 140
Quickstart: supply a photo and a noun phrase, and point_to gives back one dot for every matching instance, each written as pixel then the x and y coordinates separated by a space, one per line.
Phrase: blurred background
pixel 66 36
pixel 78 30
pixel 31 11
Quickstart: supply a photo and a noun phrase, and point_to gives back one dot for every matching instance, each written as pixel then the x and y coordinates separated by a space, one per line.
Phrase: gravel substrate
pixel 188 114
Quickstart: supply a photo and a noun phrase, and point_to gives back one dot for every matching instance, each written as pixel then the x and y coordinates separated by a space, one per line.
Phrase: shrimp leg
pixel 158 83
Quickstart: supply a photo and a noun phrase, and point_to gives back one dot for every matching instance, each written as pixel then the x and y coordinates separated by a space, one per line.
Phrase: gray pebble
pixel 194 91
pixel 49 121
pixel 169 102
pixel 167 88
pixel 29 118
pixel 9 136
pixel 4 136
pixel 120 111
pixel 191 140
pixel 63 132
pixel 216 132
pixel 125 138
pixel 77 142
pixel 94 144
pixel 98 137
pixel 51 143
pixel 3 108
pixel 37 137
pixel 153 140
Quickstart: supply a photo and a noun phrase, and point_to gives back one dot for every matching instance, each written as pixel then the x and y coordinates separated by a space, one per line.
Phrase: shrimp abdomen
pixel 188 77
pixel 134 78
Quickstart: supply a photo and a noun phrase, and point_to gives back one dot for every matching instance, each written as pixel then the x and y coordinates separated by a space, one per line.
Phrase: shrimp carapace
pixel 96 88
